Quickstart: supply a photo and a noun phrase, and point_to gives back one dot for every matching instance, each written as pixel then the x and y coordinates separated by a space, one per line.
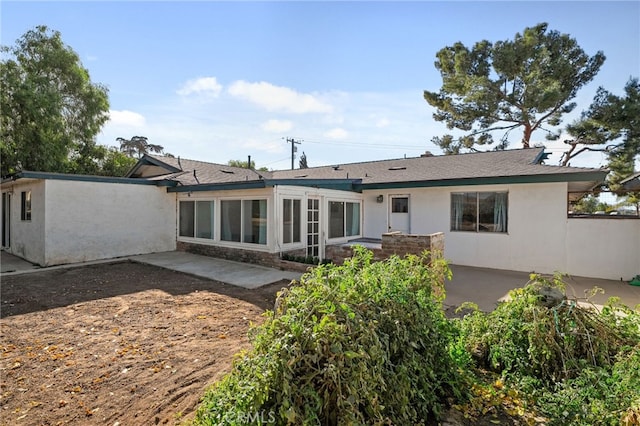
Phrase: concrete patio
pixel 485 287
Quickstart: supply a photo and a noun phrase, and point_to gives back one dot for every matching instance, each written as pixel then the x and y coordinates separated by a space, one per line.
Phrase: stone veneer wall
pixel 271 260
pixel 392 243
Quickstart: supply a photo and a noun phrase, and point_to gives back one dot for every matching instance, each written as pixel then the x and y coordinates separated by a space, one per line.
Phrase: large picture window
pixel 291 221
pixel 187 217
pixel 204 219
pixel 344 219
pixel 479 211
pixel 196 219
pixel 25 205
pixel 254 215
pixel 243 221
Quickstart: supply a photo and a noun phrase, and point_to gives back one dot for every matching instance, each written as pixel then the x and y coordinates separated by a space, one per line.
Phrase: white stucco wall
pixel 27 237
pixel 540 237
pixel 97 220
pixel 604 247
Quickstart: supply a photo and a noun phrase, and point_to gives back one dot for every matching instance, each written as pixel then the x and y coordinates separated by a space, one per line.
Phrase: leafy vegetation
pixel 50 111
pixel 610 124
pixel 310 260
pixel 576 365
pixel 526 83
pixel 362 343
pixel 368 343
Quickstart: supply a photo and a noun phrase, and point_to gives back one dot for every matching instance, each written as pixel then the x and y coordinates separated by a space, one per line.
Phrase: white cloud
pixel 272 147
pixel 337 133
pixel 277 126
pixel 278 98
pixel 205 85
pixel 126 118
pixel 383 122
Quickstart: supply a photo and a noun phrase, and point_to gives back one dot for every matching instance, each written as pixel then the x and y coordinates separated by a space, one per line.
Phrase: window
pixel 25 205
pixel 243 221
pixel 344 219
pixel 290 221
pixel 204 219
pixel 196 219
pixel 187 214
pixel 254 214
pixel 400 205
pixel 479 211
pixel 230 220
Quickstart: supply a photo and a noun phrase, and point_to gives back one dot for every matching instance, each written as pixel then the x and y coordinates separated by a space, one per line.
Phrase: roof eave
pixel 586 176
pixel 352 185
pixel 224 186
pixel 85 178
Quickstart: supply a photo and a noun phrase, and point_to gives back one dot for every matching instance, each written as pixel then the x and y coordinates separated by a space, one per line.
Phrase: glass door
pixel 313 228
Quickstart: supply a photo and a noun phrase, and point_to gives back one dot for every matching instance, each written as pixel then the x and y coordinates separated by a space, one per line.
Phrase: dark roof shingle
pixel 491 164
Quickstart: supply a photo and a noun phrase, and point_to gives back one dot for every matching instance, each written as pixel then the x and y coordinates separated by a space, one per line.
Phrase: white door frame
pixel 390 212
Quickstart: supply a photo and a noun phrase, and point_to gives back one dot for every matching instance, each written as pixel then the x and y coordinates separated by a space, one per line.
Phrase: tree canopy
pixel 50 111
pixel 302 164
pixel 526 83
pixel 246 165
pixel 138 146
pixel 612 125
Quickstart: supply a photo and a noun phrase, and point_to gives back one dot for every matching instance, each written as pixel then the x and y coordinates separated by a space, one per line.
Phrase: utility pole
pixel 293 143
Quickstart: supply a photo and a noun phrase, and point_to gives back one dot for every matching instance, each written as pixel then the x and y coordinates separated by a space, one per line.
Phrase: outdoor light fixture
pixel 380 198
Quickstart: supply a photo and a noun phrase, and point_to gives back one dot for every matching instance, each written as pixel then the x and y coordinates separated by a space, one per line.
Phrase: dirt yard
pixel 117 344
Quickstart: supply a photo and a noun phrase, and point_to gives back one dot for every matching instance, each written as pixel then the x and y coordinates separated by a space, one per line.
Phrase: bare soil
pixel 117 344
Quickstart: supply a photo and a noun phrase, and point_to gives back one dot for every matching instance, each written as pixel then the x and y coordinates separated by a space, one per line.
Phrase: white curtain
pixel 500 212
pixel 355 219
pixel 457 208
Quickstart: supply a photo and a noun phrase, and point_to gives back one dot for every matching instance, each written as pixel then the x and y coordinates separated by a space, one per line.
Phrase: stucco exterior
pixel 75 221
pixel 97 220
pixel 540 236
pixel 27 236
pixel 604 247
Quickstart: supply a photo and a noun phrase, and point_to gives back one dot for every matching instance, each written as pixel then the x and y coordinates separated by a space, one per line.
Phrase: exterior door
pixel 314 242
pixel 6 219
pixel 399 213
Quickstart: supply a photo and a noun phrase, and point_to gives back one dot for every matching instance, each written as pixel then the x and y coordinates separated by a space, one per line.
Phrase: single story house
pixel 499 209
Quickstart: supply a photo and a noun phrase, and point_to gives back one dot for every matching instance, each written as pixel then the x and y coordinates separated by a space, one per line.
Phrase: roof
pixel 191 172
pixel 493 167
pixel 26 175
pixel 509 166
pixel 631 183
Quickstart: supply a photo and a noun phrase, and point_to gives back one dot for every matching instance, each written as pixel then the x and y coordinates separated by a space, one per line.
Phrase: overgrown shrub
pixel 550 343
pixel 362 343
pixel 579 366
pixel 596 395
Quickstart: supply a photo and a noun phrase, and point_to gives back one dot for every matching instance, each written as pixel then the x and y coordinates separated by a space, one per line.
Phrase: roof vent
pixel 227 171
pixel 398 168
pixel 337 167
pixel 301 176
pixel 427 154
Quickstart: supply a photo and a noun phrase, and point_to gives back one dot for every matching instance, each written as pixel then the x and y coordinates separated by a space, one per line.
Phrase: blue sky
pixel 216 81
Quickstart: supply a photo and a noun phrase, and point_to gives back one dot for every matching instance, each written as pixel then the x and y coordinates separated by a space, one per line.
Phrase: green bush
pixel 580 366
pixel 362 343
pixel 525 337
pixel 596 396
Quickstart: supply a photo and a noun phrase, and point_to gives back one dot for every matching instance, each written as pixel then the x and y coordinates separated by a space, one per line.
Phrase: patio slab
pixel 486 287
